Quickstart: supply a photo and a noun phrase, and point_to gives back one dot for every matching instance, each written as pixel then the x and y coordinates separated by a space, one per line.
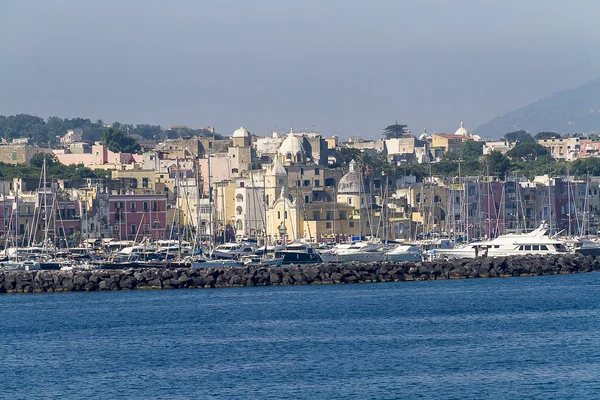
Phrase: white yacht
pixel 232 250
pixel 537 242
pixel 360 251
pixel 405 253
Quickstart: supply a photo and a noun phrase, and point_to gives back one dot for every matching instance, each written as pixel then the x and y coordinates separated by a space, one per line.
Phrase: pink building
pixel 220 167
pixel 588 148
pixel 100 155
pixel 133 217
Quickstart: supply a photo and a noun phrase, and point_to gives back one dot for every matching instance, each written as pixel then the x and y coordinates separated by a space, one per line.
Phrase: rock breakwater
pixel 326 273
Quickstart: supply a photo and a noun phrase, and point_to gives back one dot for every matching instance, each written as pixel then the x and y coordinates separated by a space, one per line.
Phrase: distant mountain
pixel 568 111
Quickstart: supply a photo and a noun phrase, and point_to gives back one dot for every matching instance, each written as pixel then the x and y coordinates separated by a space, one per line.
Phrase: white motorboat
pixel 360 251
pixel 537 242
pixel 405 253
pixel 232 250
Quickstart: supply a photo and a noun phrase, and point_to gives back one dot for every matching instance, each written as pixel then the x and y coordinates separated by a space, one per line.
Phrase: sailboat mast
pixel 17 221
pixel 45 208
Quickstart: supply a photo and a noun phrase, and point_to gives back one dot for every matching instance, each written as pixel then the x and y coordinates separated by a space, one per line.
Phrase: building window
pixel 133 230
pixel 278 214
pixel 307 198
pixel 351 224
pixel 350 200
pixel 306 182
pixel 145 183
pixel 329 215
pixel 316 171
pixel 317 183
pixel 342 214
pixel 285 214
pixel 239 225
pixel 133 207
pixel 316 215
pixel 328 225
pixel 154 208
pixel 145 206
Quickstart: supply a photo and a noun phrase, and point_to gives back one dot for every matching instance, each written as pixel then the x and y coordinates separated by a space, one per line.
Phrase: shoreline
pixel 310 274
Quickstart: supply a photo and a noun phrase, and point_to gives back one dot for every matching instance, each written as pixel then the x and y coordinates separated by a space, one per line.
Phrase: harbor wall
pixel 327 273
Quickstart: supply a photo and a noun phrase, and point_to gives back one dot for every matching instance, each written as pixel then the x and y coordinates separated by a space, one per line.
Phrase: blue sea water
pixel 533 338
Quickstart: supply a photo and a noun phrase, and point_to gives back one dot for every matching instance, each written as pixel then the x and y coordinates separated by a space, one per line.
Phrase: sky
pixel 340 67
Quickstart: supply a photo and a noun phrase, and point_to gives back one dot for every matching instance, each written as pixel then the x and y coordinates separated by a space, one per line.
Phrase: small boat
pixel 232 250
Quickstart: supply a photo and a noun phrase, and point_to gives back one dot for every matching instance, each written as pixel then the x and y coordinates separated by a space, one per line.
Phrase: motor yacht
pixel 512 244
pixel 360 251
pixel 405 253
pixel 232 250
pixel 298 253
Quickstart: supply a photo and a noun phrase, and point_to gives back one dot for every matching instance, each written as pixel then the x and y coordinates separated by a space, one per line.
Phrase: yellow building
pixel 141 179
pixel 450 143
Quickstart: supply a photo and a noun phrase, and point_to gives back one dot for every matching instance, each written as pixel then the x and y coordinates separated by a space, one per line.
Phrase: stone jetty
pixel 326 273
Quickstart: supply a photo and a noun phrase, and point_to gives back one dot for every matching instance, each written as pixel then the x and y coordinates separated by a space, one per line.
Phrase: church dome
pixel 423 135
pixel 241 133
pixel 291 150
pixel 351 182
pixel 462 131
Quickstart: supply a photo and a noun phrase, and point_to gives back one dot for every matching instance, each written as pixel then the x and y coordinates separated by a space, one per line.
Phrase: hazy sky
pixel 344 67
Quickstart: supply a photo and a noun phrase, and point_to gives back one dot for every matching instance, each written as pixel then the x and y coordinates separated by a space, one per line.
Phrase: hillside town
pixel 292 186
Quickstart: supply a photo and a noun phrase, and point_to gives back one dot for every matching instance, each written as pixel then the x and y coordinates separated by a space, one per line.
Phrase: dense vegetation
pixel 54 169
pixel 46 132
pixel 119 142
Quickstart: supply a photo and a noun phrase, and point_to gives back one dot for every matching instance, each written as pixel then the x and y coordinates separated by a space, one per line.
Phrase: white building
pixel 501 146
pixel 72 136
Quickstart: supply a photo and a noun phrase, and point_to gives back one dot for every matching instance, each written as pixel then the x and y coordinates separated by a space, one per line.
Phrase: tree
pixel 118 142
pixel 471 150
pixel 395 131
pixel 344 155
pixel 497 164
pixel 37 160
pixel 546 135
pixel 518 136
pixel 527 151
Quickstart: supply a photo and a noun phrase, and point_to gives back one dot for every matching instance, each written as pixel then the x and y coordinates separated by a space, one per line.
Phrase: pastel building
pixel 100 155
pixel 134 217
